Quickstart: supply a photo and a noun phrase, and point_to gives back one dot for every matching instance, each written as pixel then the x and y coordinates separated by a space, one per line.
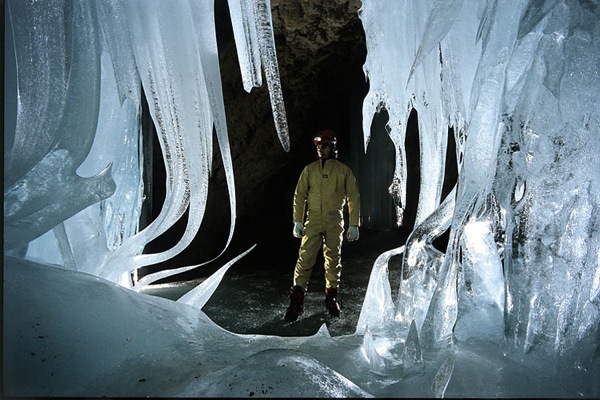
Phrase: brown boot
pixel 331 302
pixel 296 304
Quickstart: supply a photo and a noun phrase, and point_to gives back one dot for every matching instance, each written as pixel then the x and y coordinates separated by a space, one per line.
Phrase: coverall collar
pixel 323 161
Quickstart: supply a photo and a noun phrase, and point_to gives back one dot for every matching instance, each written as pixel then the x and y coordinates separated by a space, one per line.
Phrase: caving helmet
pixel 327 137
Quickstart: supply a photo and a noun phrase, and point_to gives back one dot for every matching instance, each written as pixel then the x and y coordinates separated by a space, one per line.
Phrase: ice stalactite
pixel 383 38
pixel 161 39
pixel 246 39
pixel 202 14
pixel 253 33
pixel 389 72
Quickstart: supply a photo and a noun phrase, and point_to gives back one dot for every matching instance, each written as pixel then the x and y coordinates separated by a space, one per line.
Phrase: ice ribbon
pixel 198 296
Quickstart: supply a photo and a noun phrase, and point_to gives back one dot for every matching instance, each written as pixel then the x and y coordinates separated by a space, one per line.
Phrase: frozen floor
pixel 252 297
pixel 133 344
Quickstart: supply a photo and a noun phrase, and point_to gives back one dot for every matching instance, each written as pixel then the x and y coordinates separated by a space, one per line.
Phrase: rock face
pixel 320 50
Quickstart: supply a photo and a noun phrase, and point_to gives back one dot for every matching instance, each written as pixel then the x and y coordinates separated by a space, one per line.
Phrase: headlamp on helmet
pixel 325 137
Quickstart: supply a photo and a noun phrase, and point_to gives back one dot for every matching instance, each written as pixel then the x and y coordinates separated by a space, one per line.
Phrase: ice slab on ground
pixel 73 334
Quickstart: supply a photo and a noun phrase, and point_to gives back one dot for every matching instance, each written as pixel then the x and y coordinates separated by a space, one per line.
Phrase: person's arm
pixel 300 196
pixel 353 198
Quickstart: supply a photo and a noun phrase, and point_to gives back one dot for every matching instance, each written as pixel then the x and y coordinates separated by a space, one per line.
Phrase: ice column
pixel 516 81
pixel 553 190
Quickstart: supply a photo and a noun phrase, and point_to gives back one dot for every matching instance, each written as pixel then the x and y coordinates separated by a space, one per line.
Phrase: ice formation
pixel 510 308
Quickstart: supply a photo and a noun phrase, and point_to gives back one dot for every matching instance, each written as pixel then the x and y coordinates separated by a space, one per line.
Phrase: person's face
pixel 324 151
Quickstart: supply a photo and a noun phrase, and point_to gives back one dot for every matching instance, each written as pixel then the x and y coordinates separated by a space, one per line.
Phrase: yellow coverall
pixel 322 190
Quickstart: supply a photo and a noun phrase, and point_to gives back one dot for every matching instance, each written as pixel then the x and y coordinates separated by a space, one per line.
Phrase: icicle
pixel 264 27
pixel 253 34
pixel 384 66
pixel 246 42
pixel 203 13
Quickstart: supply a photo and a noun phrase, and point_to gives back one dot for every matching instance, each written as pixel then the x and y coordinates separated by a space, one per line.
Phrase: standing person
pixel 322 190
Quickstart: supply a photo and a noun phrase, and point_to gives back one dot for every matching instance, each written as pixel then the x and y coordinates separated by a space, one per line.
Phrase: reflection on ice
pixel 511 308
pixel 288 372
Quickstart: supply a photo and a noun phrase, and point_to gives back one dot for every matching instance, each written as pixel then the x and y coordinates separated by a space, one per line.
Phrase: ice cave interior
pixel 108 102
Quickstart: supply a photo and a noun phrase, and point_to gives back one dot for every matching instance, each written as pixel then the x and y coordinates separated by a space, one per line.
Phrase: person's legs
pixel 332 249
pixel 296 306
pixel 307 255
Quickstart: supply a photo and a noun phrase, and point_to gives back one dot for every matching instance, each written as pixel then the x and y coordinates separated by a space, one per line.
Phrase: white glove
pixel 298 229
pixel 352 233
